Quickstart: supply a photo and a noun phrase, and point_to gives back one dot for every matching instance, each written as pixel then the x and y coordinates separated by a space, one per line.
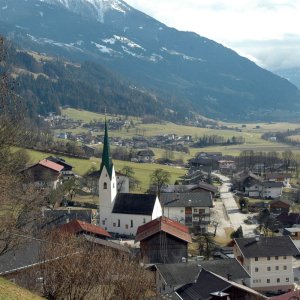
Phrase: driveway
pixel 235 217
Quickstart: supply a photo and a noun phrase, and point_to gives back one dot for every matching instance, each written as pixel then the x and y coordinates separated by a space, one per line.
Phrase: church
pixel 121 212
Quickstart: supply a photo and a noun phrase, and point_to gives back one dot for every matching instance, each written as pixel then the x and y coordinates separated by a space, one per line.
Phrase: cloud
pixel 266 30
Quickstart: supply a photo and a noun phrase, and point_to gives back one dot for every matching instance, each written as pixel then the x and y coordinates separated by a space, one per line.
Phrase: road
pixel 234 216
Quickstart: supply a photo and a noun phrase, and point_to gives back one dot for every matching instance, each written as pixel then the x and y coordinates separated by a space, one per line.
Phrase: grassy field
pixel 11 291
pixel 142 171
pixel 250 131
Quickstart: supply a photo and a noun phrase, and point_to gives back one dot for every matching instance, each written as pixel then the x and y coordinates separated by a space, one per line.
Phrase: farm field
pixel 251 132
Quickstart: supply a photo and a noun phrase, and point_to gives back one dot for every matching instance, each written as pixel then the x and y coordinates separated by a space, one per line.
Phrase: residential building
pixel 45 173
pixel 67 171
pixel 293 232
pixel 278 206
pixel 190 209
pixel 163 241
pixel 145 156
pixel 279 177
pixel 268 260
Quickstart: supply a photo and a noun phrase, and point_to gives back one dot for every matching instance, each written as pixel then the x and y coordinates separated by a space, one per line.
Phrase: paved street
pixel 235 217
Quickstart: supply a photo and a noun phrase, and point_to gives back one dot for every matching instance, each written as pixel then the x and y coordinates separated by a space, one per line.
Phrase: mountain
pixel 293 75
pixel 191 72
pixel 46 83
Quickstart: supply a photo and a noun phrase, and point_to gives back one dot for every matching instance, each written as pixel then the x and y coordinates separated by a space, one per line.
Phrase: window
pixel 119 223
pixel 278 280
pixel 105 186
pixel 269 268
pixel 284 267
pixel 284 257
pixel 287 279
pixel 131 223
pixel 126 226
pixel 277 268
pixel 114 224
pixel 144 220
pixel 256 258
pixel 268 280
pixel 195 210
pixel 103 222
pixel 276 257
pixel 256 269
pixel 268 258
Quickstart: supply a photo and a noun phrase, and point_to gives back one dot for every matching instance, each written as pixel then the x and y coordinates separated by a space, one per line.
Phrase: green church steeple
pixel 106 157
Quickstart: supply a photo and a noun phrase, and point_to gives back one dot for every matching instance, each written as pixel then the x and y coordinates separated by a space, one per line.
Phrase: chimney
pixel 219 296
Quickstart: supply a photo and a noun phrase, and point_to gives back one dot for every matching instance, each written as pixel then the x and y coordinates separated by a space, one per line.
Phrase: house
pixel 145 156
pixel 279 177
pixel 170 277
pixel 67 171
pixel 268 260
pixel 279 206
pixel 226 165
pixel 122 213
pixel 190 209
pixel 163 241
pixel 78 227
pixel 210 286
pixel 45 173
pixel 271 189
pixel 288 219
pixel 293 232
pixel 201 186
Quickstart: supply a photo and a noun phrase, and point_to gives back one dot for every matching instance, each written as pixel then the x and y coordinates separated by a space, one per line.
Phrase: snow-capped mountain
pixel 192 70
pixel 92 8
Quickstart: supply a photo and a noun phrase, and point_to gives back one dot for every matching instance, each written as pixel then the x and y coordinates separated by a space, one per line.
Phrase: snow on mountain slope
pixel 92 8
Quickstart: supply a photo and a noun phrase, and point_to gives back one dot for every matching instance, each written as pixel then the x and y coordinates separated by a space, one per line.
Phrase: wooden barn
pixel 163 241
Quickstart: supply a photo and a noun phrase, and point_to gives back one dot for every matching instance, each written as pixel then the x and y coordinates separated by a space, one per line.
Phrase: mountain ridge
pixel 195 72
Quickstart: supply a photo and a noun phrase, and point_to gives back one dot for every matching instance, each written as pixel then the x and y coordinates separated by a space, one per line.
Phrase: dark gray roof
pixel 25 255
pixel 270 184
pixel 178 188
pixel 193 199
pixel 225 267
pixel 267 246
pixel 135 204
pixel 206 284
pixel 180 273
pixel 146 152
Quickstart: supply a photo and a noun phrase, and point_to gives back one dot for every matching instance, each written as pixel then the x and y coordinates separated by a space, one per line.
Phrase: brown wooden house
pixel 163 241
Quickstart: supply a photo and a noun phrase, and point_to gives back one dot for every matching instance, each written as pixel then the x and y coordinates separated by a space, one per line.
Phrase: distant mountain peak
pixel 92 8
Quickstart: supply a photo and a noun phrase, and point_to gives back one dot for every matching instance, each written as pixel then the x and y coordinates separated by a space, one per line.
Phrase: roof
pixel 164 224
pixel 287 296
pixel 267 246
pixel 50 165
pixel 292 229
pixel 285 201
pixel 179 188
pixel 225 267
pixel 147 152
pixel 288 218
pixel 59 161
pixel 208 187
pixel 278 175
pixel 193 199
pixel 106 157
pixel 272 184
pixel 208 283
pixel 134 204
pixel 179 273
pixel 182 273
pixel 77 226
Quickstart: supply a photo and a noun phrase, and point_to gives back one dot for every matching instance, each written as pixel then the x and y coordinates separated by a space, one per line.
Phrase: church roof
pixel 106 157
pixel 134 204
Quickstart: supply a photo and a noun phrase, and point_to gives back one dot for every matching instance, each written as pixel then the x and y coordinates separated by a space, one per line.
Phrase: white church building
pixel 121 212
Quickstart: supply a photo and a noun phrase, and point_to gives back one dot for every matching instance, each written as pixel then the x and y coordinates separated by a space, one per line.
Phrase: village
pixel 226 228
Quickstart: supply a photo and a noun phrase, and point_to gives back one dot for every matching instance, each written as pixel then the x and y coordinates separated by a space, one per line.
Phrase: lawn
pixel 11 291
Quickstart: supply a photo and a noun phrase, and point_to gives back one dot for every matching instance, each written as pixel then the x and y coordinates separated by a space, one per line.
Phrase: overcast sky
pixel 266 31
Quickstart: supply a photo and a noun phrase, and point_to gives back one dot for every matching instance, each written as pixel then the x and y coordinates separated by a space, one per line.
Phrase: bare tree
pixel 159 178
pixel 76 269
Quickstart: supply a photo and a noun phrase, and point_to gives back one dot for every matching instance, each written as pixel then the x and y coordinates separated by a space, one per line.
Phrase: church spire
pixel 106 157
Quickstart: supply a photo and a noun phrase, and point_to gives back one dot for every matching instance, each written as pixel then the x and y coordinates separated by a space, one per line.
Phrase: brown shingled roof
pixel 163 224
pixel 77 226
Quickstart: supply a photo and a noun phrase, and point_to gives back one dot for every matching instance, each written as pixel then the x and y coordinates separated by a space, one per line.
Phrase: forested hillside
pixel 45 84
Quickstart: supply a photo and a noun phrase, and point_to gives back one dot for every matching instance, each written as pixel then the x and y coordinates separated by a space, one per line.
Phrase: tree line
pixel 213 140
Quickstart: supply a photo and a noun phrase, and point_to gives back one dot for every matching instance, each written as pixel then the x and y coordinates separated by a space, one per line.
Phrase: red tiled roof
pixel 51 165
pixel 287 296
pixel 163 224
pixel 77 226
